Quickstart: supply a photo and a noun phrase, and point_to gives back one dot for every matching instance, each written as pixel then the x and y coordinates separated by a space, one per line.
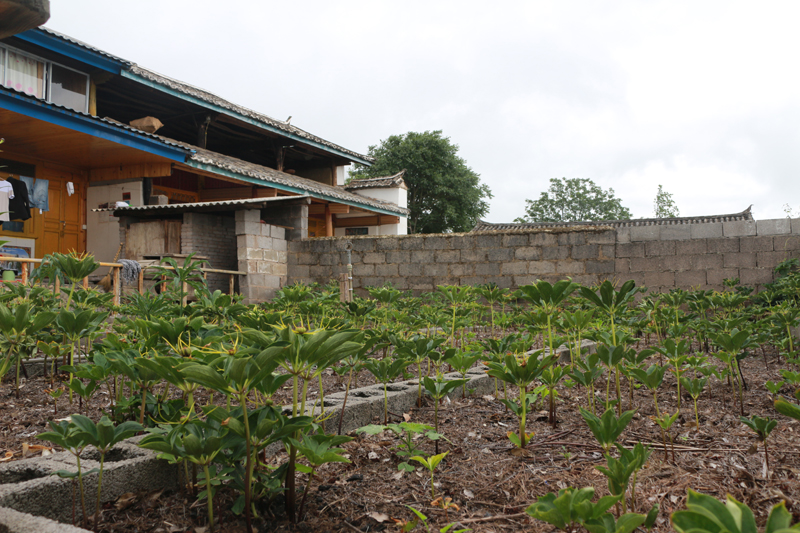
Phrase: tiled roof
pixel 209 97
pixel 488 226
pixel 385 182
pixel 215 100
pixel 270 175
pixel 197 205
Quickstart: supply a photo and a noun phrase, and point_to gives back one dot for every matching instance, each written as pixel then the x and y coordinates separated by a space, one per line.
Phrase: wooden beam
pixel 366 221
pixel 145 170
pixel 328 221
pixel 321 209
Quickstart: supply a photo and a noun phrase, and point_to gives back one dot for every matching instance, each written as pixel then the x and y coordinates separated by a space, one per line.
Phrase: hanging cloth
pixel 19 206
pixel 6 193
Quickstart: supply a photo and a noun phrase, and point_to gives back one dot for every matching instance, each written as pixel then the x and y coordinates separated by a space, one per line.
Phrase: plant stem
pixel 99 487
pixel 80 486
pixel 209 498
pixel 249 463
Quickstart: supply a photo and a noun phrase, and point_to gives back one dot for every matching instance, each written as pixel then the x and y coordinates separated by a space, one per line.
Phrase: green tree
pixel 664 206
pixel 572 200
pixel 444 194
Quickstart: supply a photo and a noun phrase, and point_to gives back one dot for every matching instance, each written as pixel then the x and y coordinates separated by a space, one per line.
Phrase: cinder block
pixel 463 242
pixel 387 270
pixel 254 253
pixel 552 253
pixel 694 246
pixel 277 233
pixel 587 251
pixel 373 281
pixel 504 282
pixel 387 243
pixel 690 279
pixel 297 271
pixel 710 230
pixel 462 269
pixel 706 262
pixel 659 248
pixel 486 269
pixel 306 258
pixel 447 256
pixel 573 238
pixel 775 226
pixel 528 253
pixel 608 251
pixel 717 277
pixel 602 237
pixel 739 260
pixel 489 241
pixel 756 244
pixel 374 257
pixel 500 254
pixel 600 267
pixel 421 284
pixel 422 256
pixel 676 263
pixel 542 239
pixel 719 246
pixel 514 268
pixel 319 246
pixel 410 269
pixel 645 233
pixel 630 250
pixel 432 269
pixel 786 243
pixel 569 268
pixel 541 267
pixel 412 242
pixel 438 242
pixel 279 244
pixel 320 272
pixel 473 256
pixel 623 235
pixel 587 280
pixel 362 269
pixel 364 245
pixel 659 279
pixel 398 257
pixel 645 264
pixel 512 241
pixel 678 232
pixel 755 276
pixel 622 266
pixel 739 228
pixel 770 259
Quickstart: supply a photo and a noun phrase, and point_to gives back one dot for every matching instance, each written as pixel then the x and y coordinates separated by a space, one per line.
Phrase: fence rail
pixel 116 268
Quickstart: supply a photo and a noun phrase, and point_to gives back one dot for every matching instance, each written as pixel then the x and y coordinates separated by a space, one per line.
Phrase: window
pixel 68 87
pixel 356 231
pixel 43 79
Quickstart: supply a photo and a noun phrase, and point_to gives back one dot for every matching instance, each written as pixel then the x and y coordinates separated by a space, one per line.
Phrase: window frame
pixel 48 75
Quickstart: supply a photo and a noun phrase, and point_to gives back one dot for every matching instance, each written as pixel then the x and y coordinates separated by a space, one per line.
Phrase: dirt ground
pixel 489 481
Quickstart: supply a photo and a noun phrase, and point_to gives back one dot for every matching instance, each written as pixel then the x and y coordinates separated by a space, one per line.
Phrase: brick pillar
pixel 261 251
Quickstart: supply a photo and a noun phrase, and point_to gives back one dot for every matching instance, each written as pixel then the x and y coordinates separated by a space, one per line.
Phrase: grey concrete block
pixel 659 279
pixel 719 246
pixel 608 251
pixel 374 257
pixel 770 260
pixel 573 238
pixel 645 264
pixel 364 245
pixel 514 268
pixel 710 230
pixel 623 235
pixel 387 270
pixel 541 267
pixel 775 226
pixel 630 250
pixel 551 253
pixel 489 241
pixel 412 242
pixel 387 243
pixel 755 276
pixel 569 268
pixel 622 266
pixel 512 241
pixel 363 269
pixel 602 237
pixel 706 261
pixel 422 256
pixel 436 269
pixel 600 267
pixel 410 269
pixel 762 243
pixel 438 242
pixel 690 279
pixel 739 228
pixel 277 233
pixel 717 277
pixel 500 254
pixel 693 247
pixel 739 260
pixel 12 521
pixel 462 269
pixel 645 233
pixel 678 232
pixel 587 251
pixel 676 262
pixel 398 257
pixel 786 243
pixel 528 253
pixel 659 248
pixel 542 239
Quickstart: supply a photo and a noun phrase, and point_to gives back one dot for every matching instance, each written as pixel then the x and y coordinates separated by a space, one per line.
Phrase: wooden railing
pixel 115 275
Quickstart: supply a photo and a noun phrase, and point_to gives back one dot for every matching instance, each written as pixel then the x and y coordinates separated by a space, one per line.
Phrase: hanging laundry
pixel 40 194
pixel 6 194
pixel 19 205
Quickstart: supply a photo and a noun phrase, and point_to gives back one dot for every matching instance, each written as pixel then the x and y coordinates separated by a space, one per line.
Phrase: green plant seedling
pixel 19 327
pixel 430 463
pixel 462 361
pixel 548 298
pixel 706 514
pixel 418 349
pixel 652 379
pixel 762 427
pixel 731 345
pixel 695 388
pixel 318 450
pixel 665 422
pixel 608 427
pixel 406 432
pixel 421 518
pixel 103 436
pixel 438 389
pixel 774 388
pixel 551 377
pixel 612 357
pixel 55 394
pixel 385 371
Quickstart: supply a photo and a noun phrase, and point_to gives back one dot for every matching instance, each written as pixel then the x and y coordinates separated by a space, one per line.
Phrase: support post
pixel 116 285
pixel 185 291
pixel 231 280
pixel 140 281
pixel 328 221
pixel 25 273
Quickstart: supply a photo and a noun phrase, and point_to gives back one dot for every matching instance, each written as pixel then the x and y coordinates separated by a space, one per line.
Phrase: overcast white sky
pixel 701 97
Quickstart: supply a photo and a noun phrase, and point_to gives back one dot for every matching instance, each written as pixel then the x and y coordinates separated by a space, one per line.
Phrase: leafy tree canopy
pixel 572 200
pixel 444 194
pixel 664 206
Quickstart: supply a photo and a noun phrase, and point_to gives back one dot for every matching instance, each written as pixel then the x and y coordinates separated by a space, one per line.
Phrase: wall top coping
pixel 522 231
pixel 744 215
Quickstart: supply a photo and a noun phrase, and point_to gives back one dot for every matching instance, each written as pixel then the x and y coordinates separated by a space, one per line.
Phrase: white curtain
pixel 25 74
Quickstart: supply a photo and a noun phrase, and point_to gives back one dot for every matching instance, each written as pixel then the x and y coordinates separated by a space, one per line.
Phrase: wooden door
pixel 63 223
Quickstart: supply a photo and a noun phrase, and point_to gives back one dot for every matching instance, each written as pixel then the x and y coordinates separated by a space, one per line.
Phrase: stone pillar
pixel 261 251
pixel 292 215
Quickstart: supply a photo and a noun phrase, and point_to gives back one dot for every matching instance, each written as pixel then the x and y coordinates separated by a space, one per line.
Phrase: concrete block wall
pixel 212 236
pixel 703 255
pixel 261 251
pixel 660 257
pixel 421 262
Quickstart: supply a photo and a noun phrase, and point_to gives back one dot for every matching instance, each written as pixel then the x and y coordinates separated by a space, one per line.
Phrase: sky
pixel 700 97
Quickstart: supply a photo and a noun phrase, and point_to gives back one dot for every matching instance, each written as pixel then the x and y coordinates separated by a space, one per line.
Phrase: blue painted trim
pixel 288 188
pixel 90 126
pixel 249 120
pixel 66 48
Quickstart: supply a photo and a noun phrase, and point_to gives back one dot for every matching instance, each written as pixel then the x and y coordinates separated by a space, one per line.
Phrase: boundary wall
pixel 659 256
